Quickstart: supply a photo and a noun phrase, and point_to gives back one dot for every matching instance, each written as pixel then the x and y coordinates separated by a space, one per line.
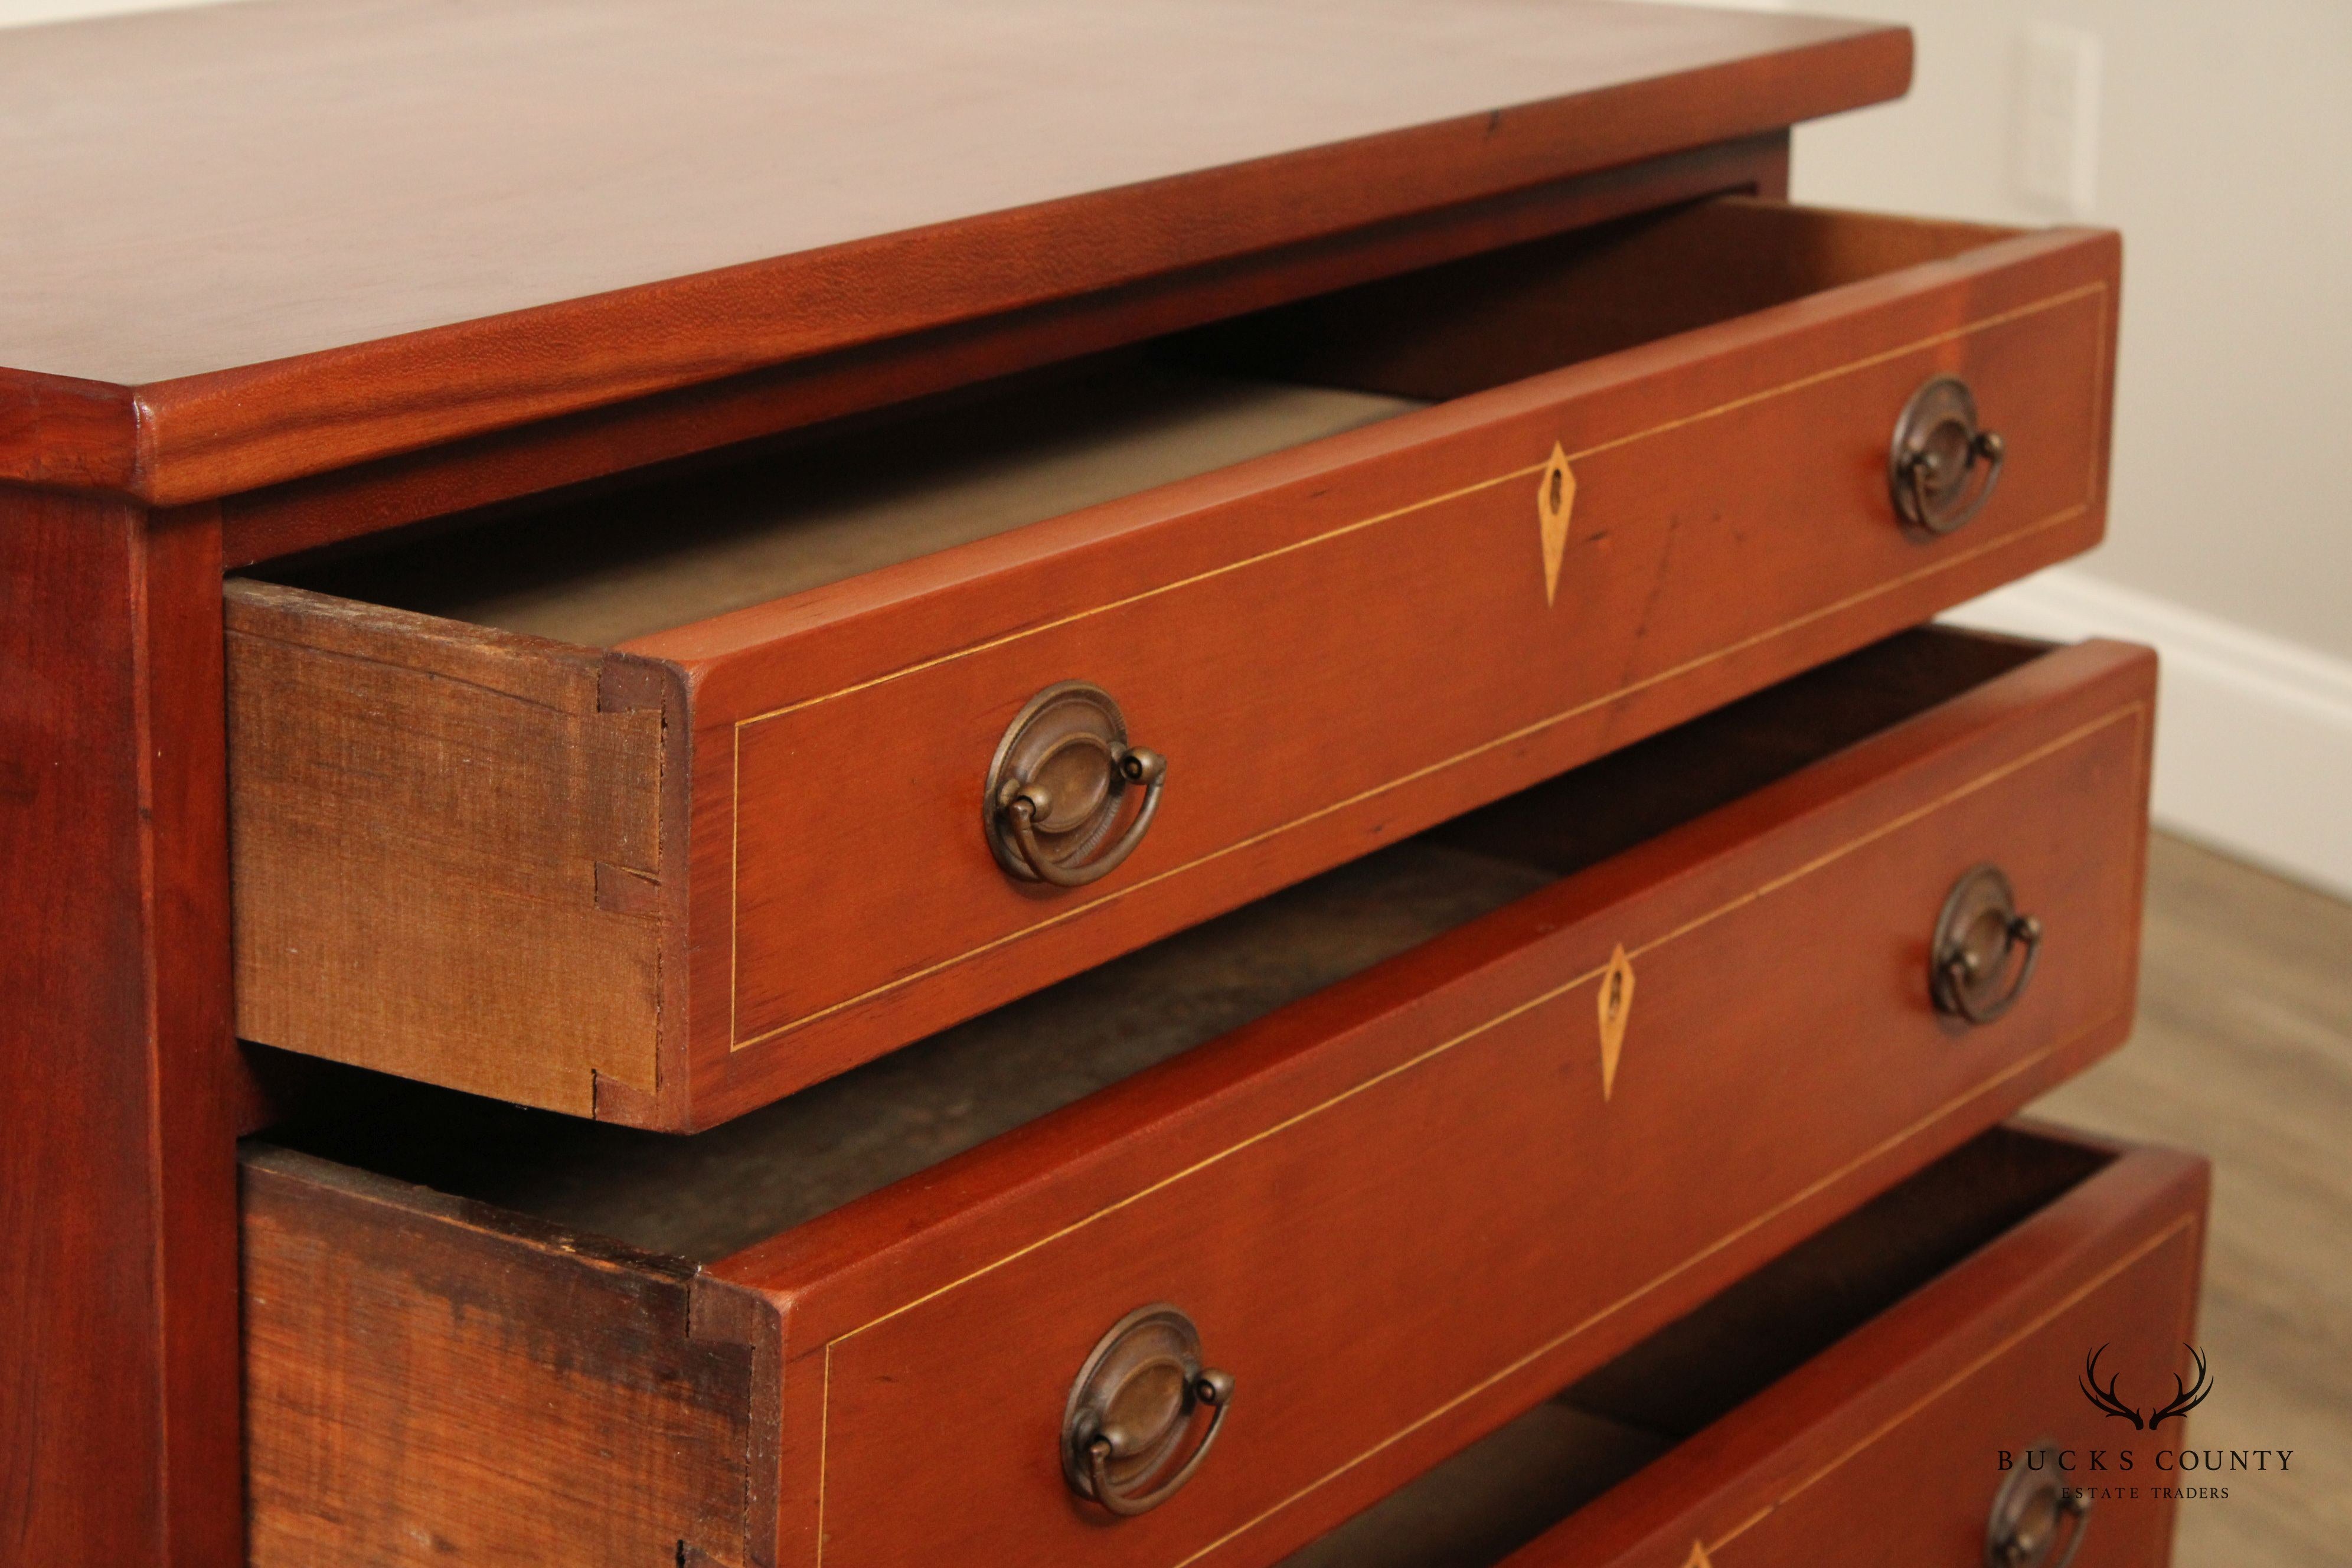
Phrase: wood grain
pixel 917 166
pixel 648 556
pixel 118 1302
pixel 402 1346
pixel 1335 644
pixel 486 471
pixel 1510 1486
pixel 1362 1177
pixel 1347 642
pixel 1781 1039
pixel 703 1197
pixel 707 1196
pixel 1446 331
pixel 1916 1404
pixel 718 1192
pixel 448 851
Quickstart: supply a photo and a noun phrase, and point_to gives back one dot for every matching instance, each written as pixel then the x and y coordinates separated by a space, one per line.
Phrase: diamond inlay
pixel 1555 499
pixel 1616 1003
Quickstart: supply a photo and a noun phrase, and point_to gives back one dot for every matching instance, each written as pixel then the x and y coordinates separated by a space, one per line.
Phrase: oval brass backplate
pixel 1058 784
pixel 1932 466
pixel 1132 1404
pixel 1970 973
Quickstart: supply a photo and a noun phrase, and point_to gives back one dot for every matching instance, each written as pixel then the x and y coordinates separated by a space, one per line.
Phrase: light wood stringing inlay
pixel 2186 1223
pixel 1945 563
pixel 2136 713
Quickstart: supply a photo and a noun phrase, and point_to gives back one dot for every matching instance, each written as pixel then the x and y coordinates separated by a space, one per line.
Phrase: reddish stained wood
pixel 1311 1181
pixel 483 471
pixel 1425 1142
pixel 1335 645
pixel 56 430
pixel 1919 1403
pixel 340 313
pixel 1709 556
pixel 119 1309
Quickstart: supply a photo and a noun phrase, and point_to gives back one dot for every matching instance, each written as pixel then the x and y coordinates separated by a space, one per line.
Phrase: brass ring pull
pixel 2032 1514
pixel 1059 787
pixel 1135 1402
pixel 1212 1388
pixel 1025 805
pixel 1972 973
pixel 1938 445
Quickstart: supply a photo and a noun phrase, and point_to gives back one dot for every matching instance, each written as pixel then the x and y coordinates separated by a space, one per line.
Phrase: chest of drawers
pixel 1046 785
pixel 1489 1106
pixel 1328 646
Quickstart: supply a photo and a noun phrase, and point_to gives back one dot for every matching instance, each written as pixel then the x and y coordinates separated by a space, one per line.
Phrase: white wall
pixel 16 13
pixel 2223 133
pixel 2224 154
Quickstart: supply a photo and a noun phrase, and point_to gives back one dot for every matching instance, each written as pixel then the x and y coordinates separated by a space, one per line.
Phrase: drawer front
pixel 724 861
pixel 1411 1206
pixel 1347 642
pixel 1889 1447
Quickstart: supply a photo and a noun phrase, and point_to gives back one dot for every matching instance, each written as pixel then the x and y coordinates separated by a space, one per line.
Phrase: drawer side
pixel 447 850
pixel 430 1381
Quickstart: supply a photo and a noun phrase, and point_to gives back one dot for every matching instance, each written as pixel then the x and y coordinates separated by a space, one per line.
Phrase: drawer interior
pixel 703 1197
pixel 1501 1493
pixel 602 565
pixel 1508 314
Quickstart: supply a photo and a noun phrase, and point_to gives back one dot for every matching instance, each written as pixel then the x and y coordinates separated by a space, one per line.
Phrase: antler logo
pixel 2185 1397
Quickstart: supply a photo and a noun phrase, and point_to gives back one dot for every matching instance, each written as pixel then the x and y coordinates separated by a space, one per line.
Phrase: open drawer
pixel 661 802
pixel 1904 1390
pixel 1409 1146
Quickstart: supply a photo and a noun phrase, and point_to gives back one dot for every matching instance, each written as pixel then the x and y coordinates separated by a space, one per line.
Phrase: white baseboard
pixel 2254 734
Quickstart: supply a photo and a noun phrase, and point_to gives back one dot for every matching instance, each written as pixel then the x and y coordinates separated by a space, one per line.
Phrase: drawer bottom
pixel 1863 1399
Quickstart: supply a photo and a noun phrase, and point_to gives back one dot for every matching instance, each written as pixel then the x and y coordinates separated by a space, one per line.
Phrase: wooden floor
pixel 2245 1052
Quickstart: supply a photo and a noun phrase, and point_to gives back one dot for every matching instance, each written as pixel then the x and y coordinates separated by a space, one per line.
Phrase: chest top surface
pixel 228 219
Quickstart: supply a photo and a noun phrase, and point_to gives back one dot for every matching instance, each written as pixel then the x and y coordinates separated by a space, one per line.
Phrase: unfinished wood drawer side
pixel 571 1406
pixel 447 850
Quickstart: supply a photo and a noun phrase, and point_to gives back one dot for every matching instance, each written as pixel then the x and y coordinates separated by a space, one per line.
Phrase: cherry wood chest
pixel 886 784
